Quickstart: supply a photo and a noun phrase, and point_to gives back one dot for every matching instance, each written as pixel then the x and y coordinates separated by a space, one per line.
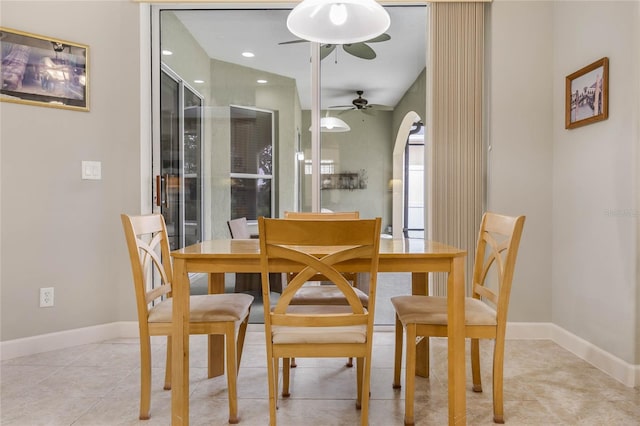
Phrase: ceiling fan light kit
pixel 361 103
pixel 338 21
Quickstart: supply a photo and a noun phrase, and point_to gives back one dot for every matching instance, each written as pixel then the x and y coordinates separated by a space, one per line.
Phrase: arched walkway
pixel 397 205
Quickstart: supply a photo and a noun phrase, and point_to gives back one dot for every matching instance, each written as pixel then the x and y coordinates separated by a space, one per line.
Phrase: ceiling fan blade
pixel 341 107
pixel 381 37
pixel 326 49
pixel 294 41
pixel 359 50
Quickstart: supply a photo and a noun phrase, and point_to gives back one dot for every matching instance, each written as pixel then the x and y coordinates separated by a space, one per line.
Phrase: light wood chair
pixel 325 294
pixel 225 314
pixel 239 228
pixel 249 281
pixel 312 247
pixel 485 311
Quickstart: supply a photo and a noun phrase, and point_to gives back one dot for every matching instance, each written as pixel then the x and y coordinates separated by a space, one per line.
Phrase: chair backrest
pixel 239 228
pixel 496 252
pixel 323 215
pixel 311 247
pixel 148 245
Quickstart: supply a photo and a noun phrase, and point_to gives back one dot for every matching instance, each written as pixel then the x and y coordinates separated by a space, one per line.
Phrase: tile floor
pixel 98 384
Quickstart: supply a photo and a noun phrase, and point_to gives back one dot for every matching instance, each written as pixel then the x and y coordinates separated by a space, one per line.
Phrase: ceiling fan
pixel 361 103
pixel 360 50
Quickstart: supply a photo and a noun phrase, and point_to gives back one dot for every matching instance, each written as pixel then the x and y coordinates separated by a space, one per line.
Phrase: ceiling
pixel 225 34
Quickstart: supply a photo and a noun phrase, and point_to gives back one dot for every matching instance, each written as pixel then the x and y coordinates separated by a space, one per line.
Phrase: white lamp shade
pixel 338 21
pixel 333 124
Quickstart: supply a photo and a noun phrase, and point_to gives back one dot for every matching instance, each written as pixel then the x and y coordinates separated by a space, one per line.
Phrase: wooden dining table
pixel 216 257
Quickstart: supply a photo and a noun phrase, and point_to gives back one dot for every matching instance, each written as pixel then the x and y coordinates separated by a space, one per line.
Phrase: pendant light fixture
pixel 338 21
pixel 332 124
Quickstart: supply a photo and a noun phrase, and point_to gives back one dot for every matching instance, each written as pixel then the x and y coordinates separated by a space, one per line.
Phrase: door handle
pixel 161 190
pixel 158 191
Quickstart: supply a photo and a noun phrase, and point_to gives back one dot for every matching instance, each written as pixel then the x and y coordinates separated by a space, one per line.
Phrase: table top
pixel 399 255
pixel 405 248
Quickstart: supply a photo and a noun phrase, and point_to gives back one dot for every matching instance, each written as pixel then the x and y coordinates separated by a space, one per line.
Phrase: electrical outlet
pixel 46 297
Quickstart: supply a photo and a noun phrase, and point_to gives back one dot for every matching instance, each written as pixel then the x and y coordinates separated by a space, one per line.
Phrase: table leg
pixel 420 286
pixel 216 341
pixel 180 346
pixel 455 337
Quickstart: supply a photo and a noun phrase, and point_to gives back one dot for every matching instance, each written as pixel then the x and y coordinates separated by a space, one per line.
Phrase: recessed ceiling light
pixel 262 81
pixel 166 52
pixel 198 81
pixel 248 54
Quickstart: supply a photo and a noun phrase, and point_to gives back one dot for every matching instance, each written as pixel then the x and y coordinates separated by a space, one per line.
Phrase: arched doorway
pixel 399 181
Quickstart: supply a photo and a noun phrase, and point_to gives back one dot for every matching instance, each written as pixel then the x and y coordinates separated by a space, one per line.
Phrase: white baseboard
pixel 620 370
pixel 627 374
pixel 63 339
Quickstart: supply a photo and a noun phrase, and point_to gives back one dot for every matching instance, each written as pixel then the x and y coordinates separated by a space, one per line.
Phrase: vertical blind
pixel 458 150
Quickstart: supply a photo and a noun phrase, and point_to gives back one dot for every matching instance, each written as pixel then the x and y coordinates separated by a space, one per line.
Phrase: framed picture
pixel 43 71
pixel 587 95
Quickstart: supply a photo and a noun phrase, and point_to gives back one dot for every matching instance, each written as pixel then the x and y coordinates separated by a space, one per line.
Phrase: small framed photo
pixel 587 95
pixel 43 71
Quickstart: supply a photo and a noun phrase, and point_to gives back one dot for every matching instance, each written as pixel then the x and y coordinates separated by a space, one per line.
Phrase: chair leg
pixel 232 372
pixel 410 375
pixel 427 359
pixel 475 365
pixel 276 381
pixel 349 362
pixel 397 364
pixel 293 363
pixel 359 371
pixel 272 367
pixel 145 376
pixel 286 367
pixel 366 384
pixel 167 369
pixel 498 381
pixel 242 332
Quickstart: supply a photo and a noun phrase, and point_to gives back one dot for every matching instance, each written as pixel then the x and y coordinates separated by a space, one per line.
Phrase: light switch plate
pixel 91 170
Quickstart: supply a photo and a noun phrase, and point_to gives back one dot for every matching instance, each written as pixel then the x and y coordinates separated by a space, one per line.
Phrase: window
pixel 251 163
pixel 327 167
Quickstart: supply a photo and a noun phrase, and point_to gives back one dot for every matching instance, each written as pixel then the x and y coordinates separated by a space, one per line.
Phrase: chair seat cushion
pixel 207 308
pixel 325 295
pixel 433 310
pixel 319 335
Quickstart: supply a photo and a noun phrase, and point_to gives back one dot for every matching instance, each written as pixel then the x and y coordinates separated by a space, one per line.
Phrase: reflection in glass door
pixel 179 181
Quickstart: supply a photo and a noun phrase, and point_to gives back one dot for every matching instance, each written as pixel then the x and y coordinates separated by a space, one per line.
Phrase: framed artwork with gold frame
pixel 587 94
pixel 43 71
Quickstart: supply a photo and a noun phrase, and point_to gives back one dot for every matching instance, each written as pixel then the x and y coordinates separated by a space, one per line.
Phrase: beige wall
pixel 58 230
pixel 595 182
pixel 520 141
pixel 577 267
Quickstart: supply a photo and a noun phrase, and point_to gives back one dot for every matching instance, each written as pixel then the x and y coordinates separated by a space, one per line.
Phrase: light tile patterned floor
pixel 98 384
